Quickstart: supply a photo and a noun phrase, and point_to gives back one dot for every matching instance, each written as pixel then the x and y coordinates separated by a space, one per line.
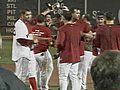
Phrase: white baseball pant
pixel 83 69
pixel 44 69
pixel 24 68
pixel 71 70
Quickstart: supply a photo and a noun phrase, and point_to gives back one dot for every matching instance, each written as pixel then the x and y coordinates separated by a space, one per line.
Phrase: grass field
pixel 5 53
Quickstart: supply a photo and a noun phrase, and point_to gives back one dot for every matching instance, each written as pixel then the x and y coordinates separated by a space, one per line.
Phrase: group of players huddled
pixel 76 40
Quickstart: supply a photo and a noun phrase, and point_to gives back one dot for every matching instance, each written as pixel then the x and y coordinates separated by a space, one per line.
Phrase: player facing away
pixel 21 53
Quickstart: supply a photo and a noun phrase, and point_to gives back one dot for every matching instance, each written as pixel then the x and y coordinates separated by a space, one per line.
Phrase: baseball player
pixel 68 40
pixel 21 53
pixel 87 53
pixel 107 36
pixel 85 31
pixel 42 55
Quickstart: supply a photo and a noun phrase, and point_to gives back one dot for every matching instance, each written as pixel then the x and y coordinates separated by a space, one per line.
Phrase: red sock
pixel 33 83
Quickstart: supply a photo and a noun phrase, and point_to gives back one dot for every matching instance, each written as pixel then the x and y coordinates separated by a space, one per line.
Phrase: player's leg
pixel 64 69
pixel 32 71
pixel 21 68
pixel 38 66
pixel 47 65
pixel 40 58
pixel 73 74
pixel 80 71
pixel 86 61
pixel 49 68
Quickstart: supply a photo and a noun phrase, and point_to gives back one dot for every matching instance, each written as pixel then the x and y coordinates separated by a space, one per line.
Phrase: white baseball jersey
pixel 19 51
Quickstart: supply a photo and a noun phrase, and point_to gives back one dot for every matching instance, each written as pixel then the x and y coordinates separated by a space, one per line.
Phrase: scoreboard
pixel 9 13
pixel 93 6
pixel 9 10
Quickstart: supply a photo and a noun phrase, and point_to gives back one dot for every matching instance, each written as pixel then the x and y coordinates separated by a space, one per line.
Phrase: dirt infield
pixel 54 77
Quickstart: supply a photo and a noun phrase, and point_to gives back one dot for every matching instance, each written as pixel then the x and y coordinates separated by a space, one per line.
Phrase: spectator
pixel 9 81
pixel 105 71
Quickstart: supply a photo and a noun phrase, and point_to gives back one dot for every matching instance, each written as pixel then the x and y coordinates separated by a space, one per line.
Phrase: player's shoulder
pixel 19 23
pixel 116 28
pixel 34 27
pixel 81 22
pixel 113 26
pixel 41 27
pixel 116 25
pixel 63 28
pixel 46 28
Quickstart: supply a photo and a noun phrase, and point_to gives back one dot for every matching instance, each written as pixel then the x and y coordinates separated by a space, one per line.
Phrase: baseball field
pixel 6 62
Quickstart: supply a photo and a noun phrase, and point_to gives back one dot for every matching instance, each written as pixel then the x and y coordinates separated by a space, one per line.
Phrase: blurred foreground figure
pixel 8 81
pixel 105 71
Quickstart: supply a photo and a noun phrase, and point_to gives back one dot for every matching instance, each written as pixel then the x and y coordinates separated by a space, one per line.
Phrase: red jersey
pixel 41 31
pixel 29 26
pixel 107 38
pixel 84 27
pixel 94 28
pixel 68 42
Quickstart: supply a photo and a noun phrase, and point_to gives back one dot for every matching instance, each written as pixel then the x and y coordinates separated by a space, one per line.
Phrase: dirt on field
pixel 53 80
pixel 54 77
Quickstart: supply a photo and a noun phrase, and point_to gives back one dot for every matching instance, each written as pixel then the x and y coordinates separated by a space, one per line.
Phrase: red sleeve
pixel 25 42
pixel 96 43
pixel 60 40
pixel 86 28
